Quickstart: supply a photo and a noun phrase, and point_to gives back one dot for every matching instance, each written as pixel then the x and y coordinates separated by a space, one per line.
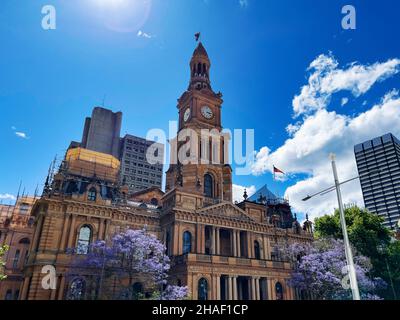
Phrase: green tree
pixel 3 250
pixel 371 239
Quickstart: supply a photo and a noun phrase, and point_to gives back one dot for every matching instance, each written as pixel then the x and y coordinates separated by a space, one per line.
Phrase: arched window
pixel 187 242
pixel 204 69
pixel 92 194
pixel 77 289
pixel 24 241
pixel 199 69
pixel 154 202
pixel 202 290
pixel 257 252
pixel 84 236
pixel 208 186
pixel 16 258
pixel 279 291
pixel 137 291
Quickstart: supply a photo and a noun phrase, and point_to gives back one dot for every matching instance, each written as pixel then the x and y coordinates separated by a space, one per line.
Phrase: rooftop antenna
pixel 104 100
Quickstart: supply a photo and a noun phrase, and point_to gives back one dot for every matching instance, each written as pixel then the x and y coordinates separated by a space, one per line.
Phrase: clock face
pixel 186 116
pixel 207 112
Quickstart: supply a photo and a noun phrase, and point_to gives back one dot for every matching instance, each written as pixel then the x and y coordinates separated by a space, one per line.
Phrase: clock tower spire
pixel 200 69
pixel 207 173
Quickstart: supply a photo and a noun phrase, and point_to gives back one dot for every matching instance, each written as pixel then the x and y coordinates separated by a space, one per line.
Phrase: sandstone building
pixel 16 229
pixel 220 250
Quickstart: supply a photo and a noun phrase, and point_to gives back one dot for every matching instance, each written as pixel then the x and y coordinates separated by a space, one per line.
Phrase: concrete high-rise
pixel 102 132
pixel 381 190
pixel 136 171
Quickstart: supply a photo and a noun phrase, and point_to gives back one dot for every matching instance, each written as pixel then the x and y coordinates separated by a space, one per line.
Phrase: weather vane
pixel 197 36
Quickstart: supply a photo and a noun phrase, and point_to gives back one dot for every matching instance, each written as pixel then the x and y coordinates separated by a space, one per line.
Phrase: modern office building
pixel 137 171
pixel 101 133
pixel 381 188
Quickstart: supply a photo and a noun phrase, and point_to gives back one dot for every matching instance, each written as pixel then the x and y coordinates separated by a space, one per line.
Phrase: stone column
pixel 271 291
pixel 218 288
pixel 61 288
pixel 253 289
pixel 101 229
pixel 64 232
pixel 24 292
pixel 258 289
pixel 234 242
pixel 213 241
pixel 249 246
pixel 230 288
pixel 239 254
pixel 235 292
pixel 71 232
pixel 218 251
pixel 198 238
pixel 203 239
pixel 106 229
pixel 36 239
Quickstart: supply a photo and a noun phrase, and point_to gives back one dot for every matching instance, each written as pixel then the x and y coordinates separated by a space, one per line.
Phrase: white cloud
pixel 244 3
pixel 326 78
pixel 344 101
pixel 144 35
pixel 7 196
pixel 13 128
pixel 238 191
pixel 321 132
pixel 21 135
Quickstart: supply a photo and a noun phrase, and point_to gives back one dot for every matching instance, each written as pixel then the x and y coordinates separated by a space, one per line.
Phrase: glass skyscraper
pixel 381 189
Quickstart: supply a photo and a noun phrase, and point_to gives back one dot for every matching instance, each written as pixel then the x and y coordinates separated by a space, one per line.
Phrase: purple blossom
pixel 320 269
pixel 128 256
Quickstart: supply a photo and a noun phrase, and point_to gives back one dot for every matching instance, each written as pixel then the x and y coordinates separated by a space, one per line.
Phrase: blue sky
pixel 138 58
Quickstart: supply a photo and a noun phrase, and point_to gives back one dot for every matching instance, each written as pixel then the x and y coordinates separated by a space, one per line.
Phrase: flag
pixel 197 36
pixel 276 170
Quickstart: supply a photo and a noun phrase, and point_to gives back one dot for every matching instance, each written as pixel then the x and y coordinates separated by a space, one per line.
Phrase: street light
pixel 347 248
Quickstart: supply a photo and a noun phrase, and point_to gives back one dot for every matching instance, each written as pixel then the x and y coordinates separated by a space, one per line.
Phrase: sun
pixel 122 15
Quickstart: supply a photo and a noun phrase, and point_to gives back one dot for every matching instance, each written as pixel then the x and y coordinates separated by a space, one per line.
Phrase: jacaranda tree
pixel 320 270
pixel 3 250
pixel 117 269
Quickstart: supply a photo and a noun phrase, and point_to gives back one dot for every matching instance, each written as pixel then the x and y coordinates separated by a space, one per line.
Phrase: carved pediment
pixel 226 209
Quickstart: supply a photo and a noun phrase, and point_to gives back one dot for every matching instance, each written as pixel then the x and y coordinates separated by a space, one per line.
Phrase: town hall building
pixel 219 249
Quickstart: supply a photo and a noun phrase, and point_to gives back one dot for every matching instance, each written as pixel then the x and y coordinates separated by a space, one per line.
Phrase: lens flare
pixel 123 15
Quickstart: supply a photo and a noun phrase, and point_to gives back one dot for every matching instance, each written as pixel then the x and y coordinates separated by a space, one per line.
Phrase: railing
pixel 215 259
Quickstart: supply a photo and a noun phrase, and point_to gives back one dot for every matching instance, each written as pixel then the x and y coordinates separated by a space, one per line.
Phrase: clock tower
pixel 208 173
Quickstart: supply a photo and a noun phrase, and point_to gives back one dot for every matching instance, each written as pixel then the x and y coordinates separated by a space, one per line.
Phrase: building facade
pixel 218 249
pixel 16 229
pixel 138 171
pixel 378 163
